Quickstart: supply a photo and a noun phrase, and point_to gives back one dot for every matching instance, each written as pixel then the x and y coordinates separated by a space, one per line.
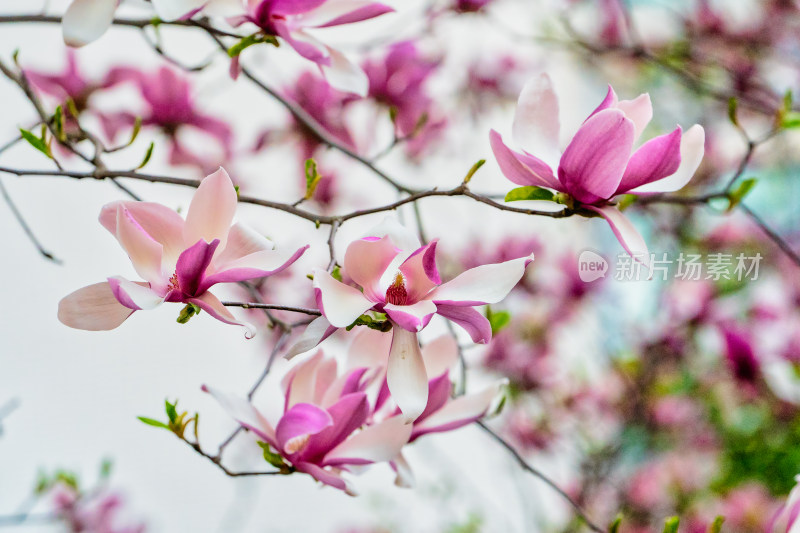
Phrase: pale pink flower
pixel 599 162
pixel 179 260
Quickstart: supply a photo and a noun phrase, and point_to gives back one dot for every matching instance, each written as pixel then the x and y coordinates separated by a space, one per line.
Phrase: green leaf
pixel 137 127
pixel 625 201
pixel 172 411
pixel 473 170
pixel 790 120
pixel 335 274
pixel 716 526
pixel 733 111
pixel 273 458
pixel 152 422
pixel 614 527
pixel 312 178
pixel 671 524
pixel 249 41
pixel 379 324
pixel 147 156
pixel 36 142
pixel 737 195
pixel 788 99
pixel 58 121
pixel 529 193
pixel 188 312
pixel 497 319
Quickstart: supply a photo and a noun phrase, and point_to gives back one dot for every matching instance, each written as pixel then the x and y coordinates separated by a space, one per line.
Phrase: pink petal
pixel 473 322
pixel 242 241
pixel 405 374
pixel 92 308
pixel 86 20
pixel 144 251
pixel 536 124
pixel 192 265
pixel 530 172
pixel 366 260
pixel 299 384
pixel 211 305
pixel 654 160
pixel 460 412
pixel 245 413
pixel 411 317
pixel 342 386
pixel 609 102
pixel 304 44
pixel 592 165
pixel 136 296
pixel 302 419
pixel 334 479
pixel 420 272
pixel 639 111
pixel 692 150
pixel 439 389
pixel 161 223
pixel 348 414
pixel 337 12
pixel 212 209
pixel 253 266
pixel 294 7
pixel 376 443
pixel 484 284
pixel 344 74
pixel 627 235
pixel 441 354
pixel 340 303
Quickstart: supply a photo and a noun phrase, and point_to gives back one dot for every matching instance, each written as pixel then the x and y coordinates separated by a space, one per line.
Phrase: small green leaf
pixel 312 178
pixel 716 526
pixel 614 527
pixel 788 99
pixel 236 188
pixel 737 195
pixel 172 411
pixel 147 156
pixel 153 422
pixel 529 193
pixel 36 142
pixel 188 312
pixel 336 273
pixel 625 201
pixel 249 41
pixel 733 111
pixel 790 120
pixel 72 108
pixel 15 56
pixel 473 170
pixel 379 324
pixel 58 121
pixel 273 458
pixel 137 127
pixel 671 524
pixel 497 319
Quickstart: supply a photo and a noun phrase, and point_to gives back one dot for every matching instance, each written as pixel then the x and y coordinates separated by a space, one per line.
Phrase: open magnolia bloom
pixel 179 260
pixel 599 162
pixel 326 427
pixel 399 277
pixel 442 412
pixel 87 20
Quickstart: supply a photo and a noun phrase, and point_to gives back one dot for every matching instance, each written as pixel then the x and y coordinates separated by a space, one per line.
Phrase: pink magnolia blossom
pixel 325 427
pixel 87 20
pixel 171 108
pixel 291 19
pixel 599 162
pixel 179 260
pixel 400 278
pixel 92 512
pixel 71 83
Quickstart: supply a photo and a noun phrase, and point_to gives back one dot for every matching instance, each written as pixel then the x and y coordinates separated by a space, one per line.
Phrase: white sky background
pixel 80 392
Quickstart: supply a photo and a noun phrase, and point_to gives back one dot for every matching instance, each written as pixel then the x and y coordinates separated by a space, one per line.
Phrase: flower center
pixel 296 444
pixel 396 293
pixel 174 285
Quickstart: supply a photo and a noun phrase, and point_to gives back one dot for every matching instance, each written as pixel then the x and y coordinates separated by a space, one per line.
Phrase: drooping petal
pixel 348 414
pixel 86 20
pixel 304 44
pixel 333 479
pixel 692 150
pixel 192 265
pixel 376 443
pixel 484 284
pixel 404 475
pixel 299 422
pixel 533 172
pixel 160 222
pixel 317 331
pixel 253 266
pixel 441 354
pixel 405 374
pixel 626 233
pixel 211 210
pixel 536 125
pixel 340 303
pixel 92 308
pixel 366 260
pixel 170 10
pixel 473 322
pixel 145 253
pixel 593 163
pixel 343 74
pixel 244 412
pixel 657 158
pixel 211 305
pixel 136 296
pixel 411 317
pixel 460 411
pixel 639 111
pixel 337 12
pixel 439 389
pixel 420 272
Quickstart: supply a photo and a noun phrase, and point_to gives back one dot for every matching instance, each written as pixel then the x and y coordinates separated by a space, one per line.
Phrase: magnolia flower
pixel 325 427
pixel 786 520
pixel 87 20
pixel 399 277
pixel 290 20
pixel 598 163
pixel 179 260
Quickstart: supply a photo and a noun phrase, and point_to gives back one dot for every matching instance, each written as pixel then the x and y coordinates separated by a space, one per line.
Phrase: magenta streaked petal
pixel 484 284
pixel 92 308
pixel 692 150
pixel 609 101
pixel 161 223
pixel 253 266
pixel 337 12
pixel 342 386
pixel 420 273
pixel 327 477
pixel 245 413
pixel 593 163
pixel 348 414
pixel 340 303
pixel 375 444
pixel 531 172
pixel 536 125
pixel 366 260
pixel 405 374
pixel 441 354
pixel 294 7
pixel 86 20
pixel 212 209
pixel 473 322
pixel 625 232
pixel 144 251
pixel 299 384
pixel 211 305
pixel 302 420
pixel 192 264
pixel 654 160
pixel 317 331
pixel 412 317
pixel 136 296
pixel 438 395
pixel 304 44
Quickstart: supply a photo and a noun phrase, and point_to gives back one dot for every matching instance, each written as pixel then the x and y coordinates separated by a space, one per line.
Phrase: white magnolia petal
pixel 405 374
pixel 344 74
pixel 86 20
pixel 92 308
pixel 467 407
pixel 484 284
pixel 376 443
pixel 692 151
pixel 340 303
pixel 536 122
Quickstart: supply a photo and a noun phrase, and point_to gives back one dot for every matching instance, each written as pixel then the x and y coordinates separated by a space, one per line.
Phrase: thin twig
pixel 256 305
pixel 772 234
pixel 26 228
